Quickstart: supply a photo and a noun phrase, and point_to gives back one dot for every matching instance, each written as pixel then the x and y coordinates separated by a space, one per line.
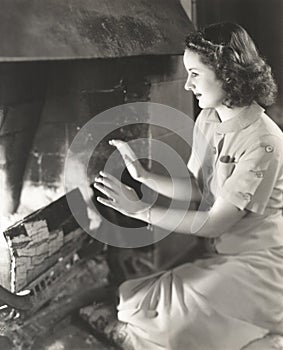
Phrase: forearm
pixel 213 223
pixel 183 189
pixel 179 220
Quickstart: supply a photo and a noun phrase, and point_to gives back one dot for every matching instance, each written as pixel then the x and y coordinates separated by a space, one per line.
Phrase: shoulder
pixel 266 149
pixel 272 144
pixel 268 126
pixel 261 133
pixel 270 134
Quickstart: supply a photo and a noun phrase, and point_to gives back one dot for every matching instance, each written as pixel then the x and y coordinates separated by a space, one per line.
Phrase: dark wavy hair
pixel 231 53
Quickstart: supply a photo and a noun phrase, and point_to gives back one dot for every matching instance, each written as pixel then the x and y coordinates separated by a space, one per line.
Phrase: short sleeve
pixel 255 175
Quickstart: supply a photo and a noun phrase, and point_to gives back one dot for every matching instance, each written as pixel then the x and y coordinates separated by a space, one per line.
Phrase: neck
pixel 226 113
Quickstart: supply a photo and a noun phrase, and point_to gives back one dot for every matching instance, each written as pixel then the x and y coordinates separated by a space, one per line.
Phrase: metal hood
pixel 69 29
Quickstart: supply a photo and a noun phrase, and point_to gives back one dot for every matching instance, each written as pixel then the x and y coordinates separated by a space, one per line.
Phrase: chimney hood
pixel 72 29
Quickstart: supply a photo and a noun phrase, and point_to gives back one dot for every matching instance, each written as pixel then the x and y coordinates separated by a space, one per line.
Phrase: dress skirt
pixel 222 302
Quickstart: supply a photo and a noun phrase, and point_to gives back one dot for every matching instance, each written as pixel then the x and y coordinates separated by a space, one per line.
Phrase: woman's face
pixel 202 82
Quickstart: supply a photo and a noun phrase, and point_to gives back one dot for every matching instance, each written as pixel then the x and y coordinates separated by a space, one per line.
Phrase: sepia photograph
pixel 141 175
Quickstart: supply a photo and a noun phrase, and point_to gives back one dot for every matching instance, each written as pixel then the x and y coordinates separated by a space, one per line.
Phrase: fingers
pixel 114 142
pixel 109 180
pixel 119 196
pixel 117 143
pixel 109 177
pixel 106 202
pixel 109 185
pixel 124 149
pixel 104 180
pixel 107 191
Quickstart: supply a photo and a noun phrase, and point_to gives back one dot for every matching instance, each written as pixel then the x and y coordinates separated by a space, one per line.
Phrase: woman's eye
pixel 194 74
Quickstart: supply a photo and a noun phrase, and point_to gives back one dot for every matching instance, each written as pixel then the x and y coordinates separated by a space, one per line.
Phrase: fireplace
pixel 60 66
pixel 69 63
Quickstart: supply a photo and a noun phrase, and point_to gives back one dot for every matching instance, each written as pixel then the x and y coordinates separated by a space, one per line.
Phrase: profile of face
pixel 202 81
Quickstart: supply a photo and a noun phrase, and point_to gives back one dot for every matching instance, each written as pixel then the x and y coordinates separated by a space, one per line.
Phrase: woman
pixel 227 300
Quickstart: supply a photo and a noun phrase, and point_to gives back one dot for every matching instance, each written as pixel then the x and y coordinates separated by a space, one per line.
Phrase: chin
pixel 203 104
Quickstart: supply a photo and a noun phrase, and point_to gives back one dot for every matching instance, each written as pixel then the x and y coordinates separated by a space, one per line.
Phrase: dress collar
pixel 240 121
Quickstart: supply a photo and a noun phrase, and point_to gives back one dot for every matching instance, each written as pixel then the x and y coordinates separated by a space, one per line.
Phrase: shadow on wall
pixel 21 99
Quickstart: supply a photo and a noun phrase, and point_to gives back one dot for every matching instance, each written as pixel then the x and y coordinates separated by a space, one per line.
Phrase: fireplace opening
pixel 98 58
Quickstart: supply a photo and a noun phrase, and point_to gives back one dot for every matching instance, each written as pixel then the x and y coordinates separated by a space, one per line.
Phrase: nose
pixel 188 85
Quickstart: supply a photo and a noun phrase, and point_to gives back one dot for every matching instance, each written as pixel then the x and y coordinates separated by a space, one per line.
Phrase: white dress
pixel 235 296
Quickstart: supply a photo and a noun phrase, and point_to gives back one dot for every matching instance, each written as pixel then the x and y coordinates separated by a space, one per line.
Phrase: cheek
pixel 218 91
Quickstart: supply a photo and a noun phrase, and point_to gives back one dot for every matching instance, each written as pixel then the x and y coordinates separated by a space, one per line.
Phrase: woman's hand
pixel 133 165
pixel 119 196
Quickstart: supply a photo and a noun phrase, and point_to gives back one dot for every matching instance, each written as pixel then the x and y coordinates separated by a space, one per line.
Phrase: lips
pixel 197 96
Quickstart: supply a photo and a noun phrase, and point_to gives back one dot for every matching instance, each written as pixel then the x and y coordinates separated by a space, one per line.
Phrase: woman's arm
pixel 183 189
pixel 212 223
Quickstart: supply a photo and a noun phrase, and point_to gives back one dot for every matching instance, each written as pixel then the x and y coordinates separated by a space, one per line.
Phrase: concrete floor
pixel 71 337
pixel 74 338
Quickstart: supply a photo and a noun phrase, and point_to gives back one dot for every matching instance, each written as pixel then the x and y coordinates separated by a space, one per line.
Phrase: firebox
pixel 62 64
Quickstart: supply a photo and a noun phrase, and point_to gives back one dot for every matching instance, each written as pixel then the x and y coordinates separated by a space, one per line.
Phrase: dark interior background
pixel 263 21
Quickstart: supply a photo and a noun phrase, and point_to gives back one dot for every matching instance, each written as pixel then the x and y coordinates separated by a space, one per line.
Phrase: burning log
pixel 48 259
pixel 39 240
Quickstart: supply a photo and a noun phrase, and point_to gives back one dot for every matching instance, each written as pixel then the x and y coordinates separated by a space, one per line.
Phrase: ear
pixel 227 102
